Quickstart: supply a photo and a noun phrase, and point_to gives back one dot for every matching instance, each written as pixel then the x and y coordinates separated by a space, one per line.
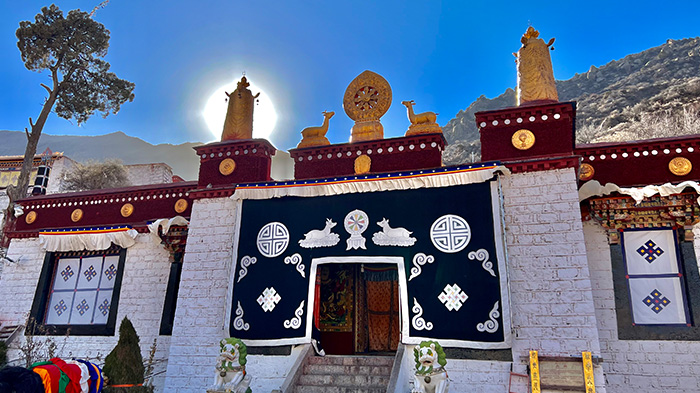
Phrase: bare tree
pixel 96 176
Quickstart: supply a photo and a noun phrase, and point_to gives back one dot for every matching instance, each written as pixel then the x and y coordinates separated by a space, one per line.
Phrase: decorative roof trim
pixel 439 177
pixel 542 164
pixel 645 148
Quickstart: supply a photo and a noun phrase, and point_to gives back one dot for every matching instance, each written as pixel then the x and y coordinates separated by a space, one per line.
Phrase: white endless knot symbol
pixel 269 299
pixel 450 233
pixel 453 297
pixel 273 239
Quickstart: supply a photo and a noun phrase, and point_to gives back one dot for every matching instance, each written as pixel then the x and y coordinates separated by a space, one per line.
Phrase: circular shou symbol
pixel 273 239
pixel 450 233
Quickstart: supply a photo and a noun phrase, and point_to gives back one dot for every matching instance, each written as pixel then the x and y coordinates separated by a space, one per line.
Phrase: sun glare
pixel 264 115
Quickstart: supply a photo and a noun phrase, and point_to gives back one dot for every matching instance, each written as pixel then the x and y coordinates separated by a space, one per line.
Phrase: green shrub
pixel 124 365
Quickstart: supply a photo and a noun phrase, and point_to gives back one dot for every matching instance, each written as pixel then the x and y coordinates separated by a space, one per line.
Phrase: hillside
pixel 182 158
pixel 654 93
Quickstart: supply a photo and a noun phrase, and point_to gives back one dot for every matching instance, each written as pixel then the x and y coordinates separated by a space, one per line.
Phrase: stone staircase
pixel 345 374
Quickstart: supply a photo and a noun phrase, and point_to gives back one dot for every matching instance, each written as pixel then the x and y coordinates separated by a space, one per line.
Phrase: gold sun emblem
pixel 523 139
pixel 77 215
pixel 127 209
pixel 227 166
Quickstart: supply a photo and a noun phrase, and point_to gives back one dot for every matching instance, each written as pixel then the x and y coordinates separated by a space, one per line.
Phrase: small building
pixel 547 266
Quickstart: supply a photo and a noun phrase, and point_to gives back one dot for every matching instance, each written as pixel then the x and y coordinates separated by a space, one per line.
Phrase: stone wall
pixel 141 299
pixel 636 366
pixel 550 287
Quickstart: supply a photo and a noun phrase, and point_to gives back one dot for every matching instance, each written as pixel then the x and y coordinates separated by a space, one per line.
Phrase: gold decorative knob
pixel 31 217
pixel 77 215
pixel 227 166
pixel 586 172
pixel 523 139
pixel 363 164
pixel 680 166
pixel 127 209
pixel 181 205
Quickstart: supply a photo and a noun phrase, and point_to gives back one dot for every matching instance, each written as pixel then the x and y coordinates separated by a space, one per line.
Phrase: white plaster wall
pixel 636 366
pixel 202 299
pixel 478 375
pixel 60 167
pixel 203 303
pixel 550 287
pixel 143 174
pixel 141 299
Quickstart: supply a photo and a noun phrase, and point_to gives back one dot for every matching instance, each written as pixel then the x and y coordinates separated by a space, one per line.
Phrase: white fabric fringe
pixel 165 223
pixel 370 185
pixel 594 188
pixel 65 241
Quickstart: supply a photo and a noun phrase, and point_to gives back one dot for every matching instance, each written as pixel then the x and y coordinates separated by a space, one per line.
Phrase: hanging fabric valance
pixel 594 188
pixel 79 239
pixel 165 224
pixel 441 177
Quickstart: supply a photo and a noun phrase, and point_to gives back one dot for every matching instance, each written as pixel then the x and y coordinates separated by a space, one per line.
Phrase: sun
pixel 264 114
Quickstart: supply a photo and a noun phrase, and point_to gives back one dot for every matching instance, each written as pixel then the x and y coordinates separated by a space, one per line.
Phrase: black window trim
pixel 37 314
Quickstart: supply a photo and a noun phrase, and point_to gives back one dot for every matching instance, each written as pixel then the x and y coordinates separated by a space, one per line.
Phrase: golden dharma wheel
pixel 523 139
pixel 586 172
pixel 368 97
pixel 181 205
pixel 363 164
pixel 227 166
pixel 680 166
pixel 77 215
pixel 127 209
pixel 31 217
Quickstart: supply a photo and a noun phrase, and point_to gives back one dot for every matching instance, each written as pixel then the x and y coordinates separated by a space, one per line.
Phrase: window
pixel 654 277
pixel 657 286
pixel 80 292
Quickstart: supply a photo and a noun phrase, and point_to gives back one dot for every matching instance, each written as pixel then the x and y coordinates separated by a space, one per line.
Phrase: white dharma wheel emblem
pixel 450 233
pixel 355 223
pixel 273 239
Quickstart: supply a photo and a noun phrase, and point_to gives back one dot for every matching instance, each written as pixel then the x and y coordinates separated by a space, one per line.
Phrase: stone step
pixel 331 369
pixel 353 360
pixel 337 389
pixel 359 380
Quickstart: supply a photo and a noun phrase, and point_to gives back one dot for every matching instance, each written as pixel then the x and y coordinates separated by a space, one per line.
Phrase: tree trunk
pixel 19 191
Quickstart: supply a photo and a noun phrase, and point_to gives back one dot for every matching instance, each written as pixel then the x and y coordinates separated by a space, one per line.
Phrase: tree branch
pixel 27 131
pixel 46 87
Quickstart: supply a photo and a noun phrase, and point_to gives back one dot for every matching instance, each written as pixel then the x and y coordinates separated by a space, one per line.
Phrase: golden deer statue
pixel 422 123
pixel 316 136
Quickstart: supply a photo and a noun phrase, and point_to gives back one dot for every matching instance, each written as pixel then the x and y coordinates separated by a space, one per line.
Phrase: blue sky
pixel 303 55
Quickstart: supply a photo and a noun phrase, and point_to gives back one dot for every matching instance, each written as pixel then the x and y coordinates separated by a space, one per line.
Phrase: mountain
pixel 654 93
pixel 182 158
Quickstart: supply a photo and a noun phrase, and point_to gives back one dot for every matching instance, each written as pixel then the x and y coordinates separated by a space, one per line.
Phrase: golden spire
pixel 239 115
pixel 535 75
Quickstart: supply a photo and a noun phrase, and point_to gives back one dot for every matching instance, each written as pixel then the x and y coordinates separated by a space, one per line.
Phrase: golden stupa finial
pixel 535 75
pixel 239 115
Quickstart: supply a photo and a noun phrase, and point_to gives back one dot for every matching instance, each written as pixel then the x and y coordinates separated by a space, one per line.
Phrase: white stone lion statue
pixel 431 376
pixel 231 376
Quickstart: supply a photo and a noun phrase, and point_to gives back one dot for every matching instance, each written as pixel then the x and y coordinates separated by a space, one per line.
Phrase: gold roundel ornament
pixel 363 164
pixel 227 166
pixel 30 218
pixel 127 209
pixel 368 97
pixel 680 166
pixel 523 139
pixel 77 215
pixel 586 172
pixel 181 205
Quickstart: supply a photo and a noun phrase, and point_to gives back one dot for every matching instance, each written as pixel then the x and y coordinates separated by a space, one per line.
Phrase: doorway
pixel 357 307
